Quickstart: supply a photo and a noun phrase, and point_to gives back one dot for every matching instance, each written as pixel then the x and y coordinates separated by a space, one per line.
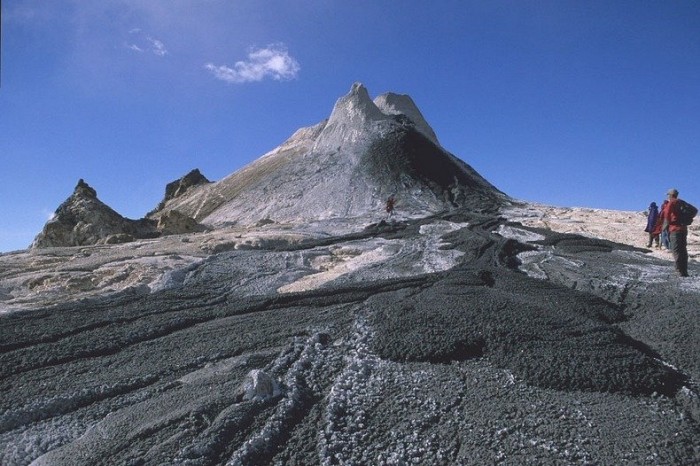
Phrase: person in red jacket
pixel 678 234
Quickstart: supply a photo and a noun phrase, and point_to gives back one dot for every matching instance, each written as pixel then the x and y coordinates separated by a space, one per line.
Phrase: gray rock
pixel 259 386
pixel 173 222
pixel 119 238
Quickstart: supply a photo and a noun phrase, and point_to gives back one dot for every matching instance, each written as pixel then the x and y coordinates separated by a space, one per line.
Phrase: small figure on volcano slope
pixel 390 204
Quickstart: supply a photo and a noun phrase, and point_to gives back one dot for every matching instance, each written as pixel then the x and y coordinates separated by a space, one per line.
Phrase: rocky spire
pixel 355 108
pixel 84 190
pixel 180 186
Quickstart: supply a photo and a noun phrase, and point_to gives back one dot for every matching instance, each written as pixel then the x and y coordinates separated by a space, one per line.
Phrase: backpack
pixel 686 212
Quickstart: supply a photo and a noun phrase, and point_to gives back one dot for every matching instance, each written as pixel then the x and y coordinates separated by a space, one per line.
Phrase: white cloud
pixel 157 47
pixel 273 61
pixel 139 42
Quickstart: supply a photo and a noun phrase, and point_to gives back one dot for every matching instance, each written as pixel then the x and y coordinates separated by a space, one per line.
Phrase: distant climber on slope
pixel 390 204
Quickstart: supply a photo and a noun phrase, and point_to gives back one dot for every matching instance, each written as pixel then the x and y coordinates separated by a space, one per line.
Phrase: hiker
pixel 390 203
pixel 652 217
pixel 657 232
pixel 678 233
pixel 664 225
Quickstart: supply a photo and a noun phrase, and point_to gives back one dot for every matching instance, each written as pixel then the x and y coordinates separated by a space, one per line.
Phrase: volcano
pixel 345 167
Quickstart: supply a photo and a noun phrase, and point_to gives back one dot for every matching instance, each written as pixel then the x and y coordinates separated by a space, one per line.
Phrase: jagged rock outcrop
pixel 83 220
pixel 345 167
pixel 181 186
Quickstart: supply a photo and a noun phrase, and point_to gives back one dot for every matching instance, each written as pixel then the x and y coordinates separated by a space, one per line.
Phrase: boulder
pixel 259 386
pixel 175 223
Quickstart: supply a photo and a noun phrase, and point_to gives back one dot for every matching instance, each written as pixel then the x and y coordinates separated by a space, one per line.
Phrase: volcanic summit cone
pixel 345 167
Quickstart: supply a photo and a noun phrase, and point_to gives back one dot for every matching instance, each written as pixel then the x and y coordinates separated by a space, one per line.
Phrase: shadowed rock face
pixel 396 104
pixel 407 161
pixel 179 187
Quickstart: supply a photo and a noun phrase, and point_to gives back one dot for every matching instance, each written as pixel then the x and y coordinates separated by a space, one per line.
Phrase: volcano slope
pixel 460 338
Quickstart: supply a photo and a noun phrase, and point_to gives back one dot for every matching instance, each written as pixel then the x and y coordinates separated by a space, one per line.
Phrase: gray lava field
pixel 454 339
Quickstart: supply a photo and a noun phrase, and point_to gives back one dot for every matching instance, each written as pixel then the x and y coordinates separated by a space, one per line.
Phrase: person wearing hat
pixel 678 233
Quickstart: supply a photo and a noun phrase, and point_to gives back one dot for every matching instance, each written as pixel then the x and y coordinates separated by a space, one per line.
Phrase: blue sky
pixel 570 103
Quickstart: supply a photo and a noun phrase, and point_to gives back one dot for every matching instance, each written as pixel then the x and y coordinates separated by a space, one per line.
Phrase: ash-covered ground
pixel 456 339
